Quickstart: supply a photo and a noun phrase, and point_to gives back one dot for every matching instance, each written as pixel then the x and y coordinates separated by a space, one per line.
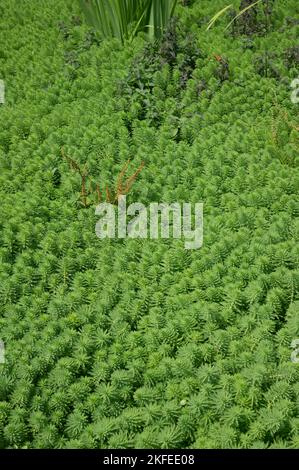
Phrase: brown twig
pixel 83 174
pixel 132 178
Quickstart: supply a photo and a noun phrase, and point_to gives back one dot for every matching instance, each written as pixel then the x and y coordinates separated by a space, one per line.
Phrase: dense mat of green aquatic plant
pixel 141 343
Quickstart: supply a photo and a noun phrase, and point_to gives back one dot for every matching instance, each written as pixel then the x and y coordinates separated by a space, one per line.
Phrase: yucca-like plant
pixel 184 349
pixel 48 437
pixel 123 19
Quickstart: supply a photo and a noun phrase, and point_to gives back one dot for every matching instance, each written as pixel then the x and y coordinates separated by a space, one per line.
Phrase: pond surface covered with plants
pixel 142 343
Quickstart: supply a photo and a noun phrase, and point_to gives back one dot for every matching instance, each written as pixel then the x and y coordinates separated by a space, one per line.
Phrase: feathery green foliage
pixel 139 343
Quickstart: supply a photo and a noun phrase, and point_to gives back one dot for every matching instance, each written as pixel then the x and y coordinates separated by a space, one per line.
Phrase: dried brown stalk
pixel 108 195
pixel 122 187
